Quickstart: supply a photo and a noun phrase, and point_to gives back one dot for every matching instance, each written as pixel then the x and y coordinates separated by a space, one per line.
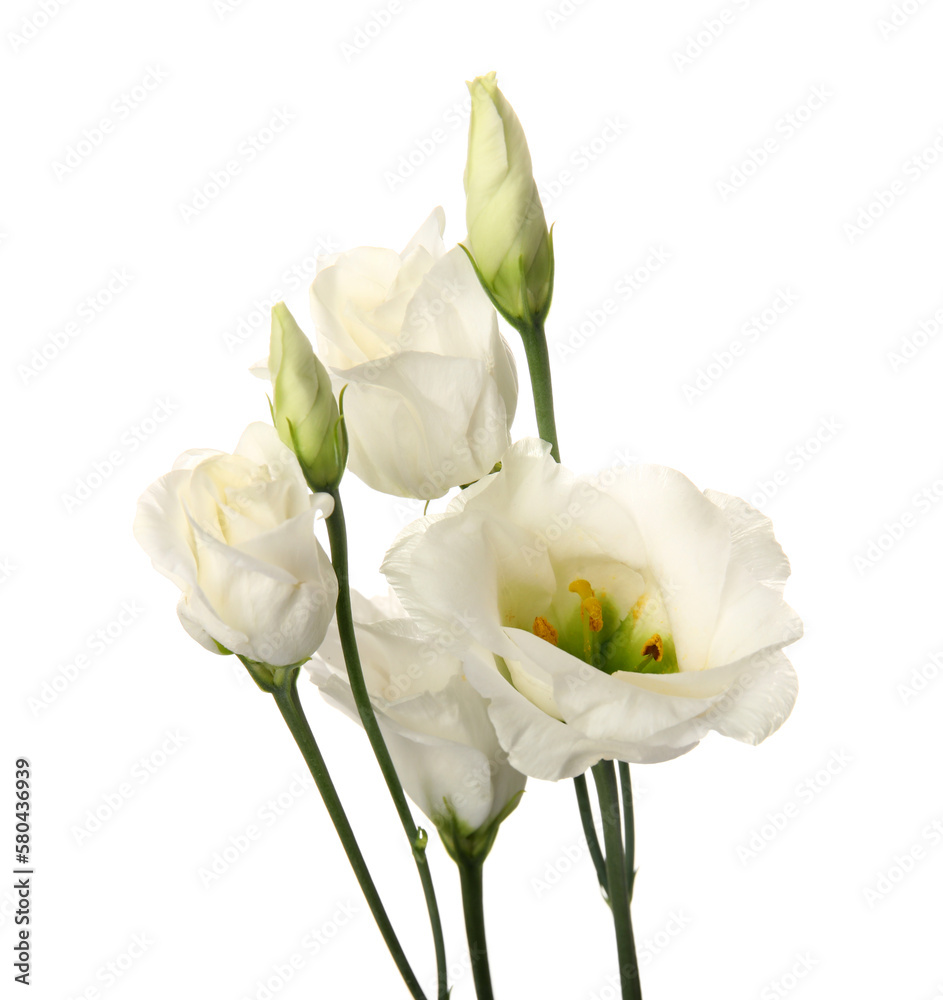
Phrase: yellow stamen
pixel 654 648
pixel 590 614
pixel 544 630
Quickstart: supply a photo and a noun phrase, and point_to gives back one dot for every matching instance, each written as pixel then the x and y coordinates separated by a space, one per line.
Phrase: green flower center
pixel 588 625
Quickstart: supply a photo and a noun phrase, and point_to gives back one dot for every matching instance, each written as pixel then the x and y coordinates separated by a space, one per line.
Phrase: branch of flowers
pixel 337 535
pixel 604 774
pixel 628 820
pixel 285 692
pixel 589 831
pixel 473 905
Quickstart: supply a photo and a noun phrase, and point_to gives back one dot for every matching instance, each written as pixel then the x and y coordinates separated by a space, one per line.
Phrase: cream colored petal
pixel 422 423
pixel 344 298
pixel 163 531
pixel 688 548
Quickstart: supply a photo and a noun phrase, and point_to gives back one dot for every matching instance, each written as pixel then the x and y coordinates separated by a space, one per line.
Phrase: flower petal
pixel 422 423
pixel 162 529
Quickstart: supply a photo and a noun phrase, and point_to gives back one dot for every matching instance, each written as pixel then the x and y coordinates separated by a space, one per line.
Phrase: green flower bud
pixel 304 409
pixel 508 239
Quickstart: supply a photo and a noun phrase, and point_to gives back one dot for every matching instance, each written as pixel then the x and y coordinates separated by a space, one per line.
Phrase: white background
pixel 813 419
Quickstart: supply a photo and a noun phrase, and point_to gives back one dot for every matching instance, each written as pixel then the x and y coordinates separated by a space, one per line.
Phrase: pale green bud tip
pixel 507 230
pixel 487 80
pixel 305 411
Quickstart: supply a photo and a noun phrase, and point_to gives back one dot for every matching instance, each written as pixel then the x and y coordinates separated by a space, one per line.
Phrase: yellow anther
pixel 654 648
pixel 544 630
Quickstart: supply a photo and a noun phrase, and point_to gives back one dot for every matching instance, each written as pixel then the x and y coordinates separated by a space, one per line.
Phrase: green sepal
pixel 332 459
pixel 495 468
pixel 464 845
pixel 528 324
pixel 515 321
pixel 546 309
pixel 268 678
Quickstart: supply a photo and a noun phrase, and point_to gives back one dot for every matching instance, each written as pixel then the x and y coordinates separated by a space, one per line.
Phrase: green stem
pixel 473 904
pixel 589 831
pixel 538 364
pixel 286 697
pixel 604 774
pixel 628 821
pixel 337 535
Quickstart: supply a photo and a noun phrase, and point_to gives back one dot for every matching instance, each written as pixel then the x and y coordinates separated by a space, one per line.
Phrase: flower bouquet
pixel 541 622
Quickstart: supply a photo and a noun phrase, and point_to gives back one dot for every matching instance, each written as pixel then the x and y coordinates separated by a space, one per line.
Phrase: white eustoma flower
pixel 236 534
pixel 435 724
pixel 431 384
pixel 629 617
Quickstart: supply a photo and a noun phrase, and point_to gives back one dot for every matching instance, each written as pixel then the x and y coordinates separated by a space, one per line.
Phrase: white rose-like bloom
pixel 435 724
pixel 236 534
pixel 629 617
pixel 431 384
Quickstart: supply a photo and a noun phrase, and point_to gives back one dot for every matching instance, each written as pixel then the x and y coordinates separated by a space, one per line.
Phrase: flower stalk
pixel 604 774
pixel 589 831
pixel 470 871
pixel 283 688
pixel 628 820
pixel 538 364
pixel 337 536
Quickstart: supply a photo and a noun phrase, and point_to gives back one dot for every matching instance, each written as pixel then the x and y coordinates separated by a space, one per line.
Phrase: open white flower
pixel 628 618
pixel 236 534
pixel 435 724
pixel 431 384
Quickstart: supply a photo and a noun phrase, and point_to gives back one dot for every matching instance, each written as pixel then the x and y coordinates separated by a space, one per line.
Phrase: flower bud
pixel 305 411
pixel 507 232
